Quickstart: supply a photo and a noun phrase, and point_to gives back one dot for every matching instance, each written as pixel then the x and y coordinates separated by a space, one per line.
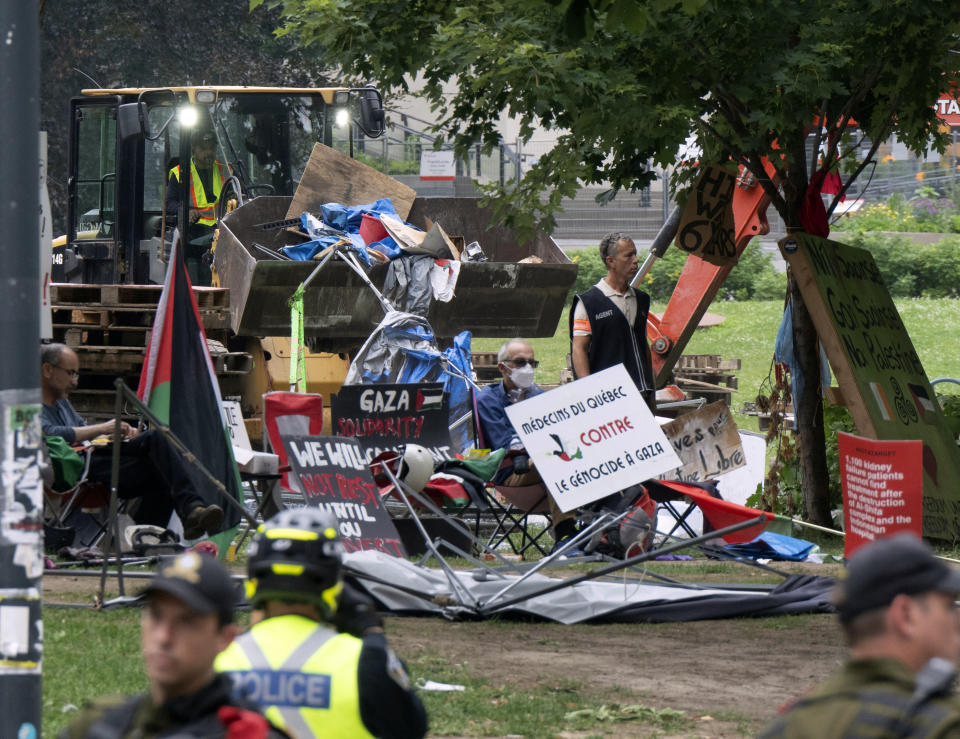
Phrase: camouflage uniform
pixel 868 698
pixel 195 715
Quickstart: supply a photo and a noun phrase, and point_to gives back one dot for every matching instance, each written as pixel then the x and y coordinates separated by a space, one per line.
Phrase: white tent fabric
pixel 394 581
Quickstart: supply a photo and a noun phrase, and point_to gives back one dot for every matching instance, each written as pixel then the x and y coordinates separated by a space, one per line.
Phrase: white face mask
pixel 522 377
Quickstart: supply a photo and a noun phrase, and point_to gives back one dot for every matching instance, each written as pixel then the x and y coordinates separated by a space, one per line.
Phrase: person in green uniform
pixel 316 657
pixel 898 611
pixel 187 620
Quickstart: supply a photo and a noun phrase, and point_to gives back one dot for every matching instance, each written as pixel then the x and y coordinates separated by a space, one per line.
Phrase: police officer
pixel 898 610
pixel 187 619
pixel 318 662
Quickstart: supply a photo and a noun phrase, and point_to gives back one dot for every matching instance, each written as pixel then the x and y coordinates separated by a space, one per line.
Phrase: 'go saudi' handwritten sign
pixel 877 367
pixel 592 437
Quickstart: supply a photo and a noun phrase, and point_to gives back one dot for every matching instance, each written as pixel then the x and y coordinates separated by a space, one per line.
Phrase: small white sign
pixel 592 437
pixel 233 417
pixel 437 165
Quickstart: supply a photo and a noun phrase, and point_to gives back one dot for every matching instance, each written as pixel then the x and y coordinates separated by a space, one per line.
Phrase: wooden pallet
pixel 80 336
pixel 707 369
pixel 711 362
pixel 130 295
pixel 93 316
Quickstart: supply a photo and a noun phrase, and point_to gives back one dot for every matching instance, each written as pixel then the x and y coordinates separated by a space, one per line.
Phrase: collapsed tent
pixel 403 587
pixel 403 349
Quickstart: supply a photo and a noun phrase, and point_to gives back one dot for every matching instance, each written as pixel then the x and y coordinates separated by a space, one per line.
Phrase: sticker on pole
pixel 592 437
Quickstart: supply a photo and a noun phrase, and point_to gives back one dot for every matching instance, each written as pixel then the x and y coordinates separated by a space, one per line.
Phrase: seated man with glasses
pixel 150 468
pixel 516 363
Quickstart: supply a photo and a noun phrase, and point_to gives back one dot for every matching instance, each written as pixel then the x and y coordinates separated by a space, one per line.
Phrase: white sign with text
pixel 437 165
pixel 592 437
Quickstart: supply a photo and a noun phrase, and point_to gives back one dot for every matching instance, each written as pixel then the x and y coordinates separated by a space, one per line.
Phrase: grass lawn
pixel 749 333
pixel 538 680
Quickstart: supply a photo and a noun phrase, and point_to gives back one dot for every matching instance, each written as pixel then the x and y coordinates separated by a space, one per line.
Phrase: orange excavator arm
pixel 700 281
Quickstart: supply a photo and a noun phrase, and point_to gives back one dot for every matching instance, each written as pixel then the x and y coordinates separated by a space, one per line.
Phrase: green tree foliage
pixel 155 44
pixel 754 277
pixel 624 83
pixel 911 269
pixel 748 78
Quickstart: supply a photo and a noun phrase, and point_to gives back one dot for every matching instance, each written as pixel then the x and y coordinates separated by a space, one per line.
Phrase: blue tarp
pixel 403 349
pixel 345 218
pixel 773 546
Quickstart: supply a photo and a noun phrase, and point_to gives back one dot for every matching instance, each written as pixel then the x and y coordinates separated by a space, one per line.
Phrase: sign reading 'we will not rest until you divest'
pixel 592 437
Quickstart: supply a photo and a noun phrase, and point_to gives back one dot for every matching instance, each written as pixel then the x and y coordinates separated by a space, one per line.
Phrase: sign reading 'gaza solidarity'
pixel 333 475
pixel 384 417
pixel 592 437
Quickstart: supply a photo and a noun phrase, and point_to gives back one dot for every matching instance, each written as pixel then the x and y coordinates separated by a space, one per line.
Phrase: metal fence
pixel 582 217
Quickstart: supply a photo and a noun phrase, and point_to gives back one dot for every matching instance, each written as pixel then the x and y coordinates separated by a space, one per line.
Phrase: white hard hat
pixel 416 466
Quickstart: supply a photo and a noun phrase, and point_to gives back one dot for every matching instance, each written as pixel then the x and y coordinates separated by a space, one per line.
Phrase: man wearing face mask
pixel 516 363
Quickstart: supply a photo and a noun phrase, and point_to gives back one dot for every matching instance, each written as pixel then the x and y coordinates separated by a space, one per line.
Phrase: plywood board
pixel 332 177
pixel 877 368
pixel 707 227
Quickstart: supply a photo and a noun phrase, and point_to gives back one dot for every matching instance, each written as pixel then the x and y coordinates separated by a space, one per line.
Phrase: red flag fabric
pixel 722 513
pixel 179 385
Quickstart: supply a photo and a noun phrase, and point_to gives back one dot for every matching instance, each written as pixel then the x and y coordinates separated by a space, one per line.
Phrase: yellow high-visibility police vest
pixel 302 674
pixel 198 195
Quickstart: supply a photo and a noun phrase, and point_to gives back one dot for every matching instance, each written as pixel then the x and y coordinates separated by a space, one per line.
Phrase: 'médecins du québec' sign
pixel 592 437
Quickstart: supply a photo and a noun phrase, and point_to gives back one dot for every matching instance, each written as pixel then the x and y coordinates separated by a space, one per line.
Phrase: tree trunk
pixel 808 414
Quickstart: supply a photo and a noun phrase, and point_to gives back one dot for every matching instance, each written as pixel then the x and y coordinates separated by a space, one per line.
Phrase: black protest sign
pixel 706 228
pixel 384 417
pixel 333 475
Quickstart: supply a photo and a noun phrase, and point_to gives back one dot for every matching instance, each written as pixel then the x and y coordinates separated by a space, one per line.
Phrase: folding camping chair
pixel 61 508
pixel 298 414
pixel 512 505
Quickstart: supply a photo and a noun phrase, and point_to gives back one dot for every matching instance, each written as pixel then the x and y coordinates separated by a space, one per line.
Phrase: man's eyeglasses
pixel 518 363
pixel 73 373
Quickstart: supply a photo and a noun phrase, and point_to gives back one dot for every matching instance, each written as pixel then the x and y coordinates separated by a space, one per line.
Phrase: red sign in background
pixel 882 489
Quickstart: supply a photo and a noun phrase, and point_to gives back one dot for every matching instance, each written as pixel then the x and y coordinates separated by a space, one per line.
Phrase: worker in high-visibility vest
pixel 207 175
pixel 316 659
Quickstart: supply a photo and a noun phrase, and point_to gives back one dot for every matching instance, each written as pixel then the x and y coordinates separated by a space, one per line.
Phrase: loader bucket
pixel 497 298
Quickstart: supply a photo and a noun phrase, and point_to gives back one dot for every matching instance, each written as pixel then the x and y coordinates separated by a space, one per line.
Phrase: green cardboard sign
pixel 881 376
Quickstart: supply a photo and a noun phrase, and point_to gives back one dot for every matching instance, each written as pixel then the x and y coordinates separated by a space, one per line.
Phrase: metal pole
pixel 114 518
pixel 21 519
pixel 661 242
pixel 625 563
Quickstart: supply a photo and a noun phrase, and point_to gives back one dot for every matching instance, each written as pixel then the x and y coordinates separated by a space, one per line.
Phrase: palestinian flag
pixel 428 401
pixel 179 385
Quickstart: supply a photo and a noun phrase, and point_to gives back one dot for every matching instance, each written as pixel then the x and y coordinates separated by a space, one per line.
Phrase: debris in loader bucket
pixel 508 295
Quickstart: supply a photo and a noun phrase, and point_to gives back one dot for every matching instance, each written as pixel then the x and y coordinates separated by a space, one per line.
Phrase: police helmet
pixel 295 558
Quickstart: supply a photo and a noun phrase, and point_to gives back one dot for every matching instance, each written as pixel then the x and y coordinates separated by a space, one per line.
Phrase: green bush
pixel 928 211
pixel 753 278
pixel 913 270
